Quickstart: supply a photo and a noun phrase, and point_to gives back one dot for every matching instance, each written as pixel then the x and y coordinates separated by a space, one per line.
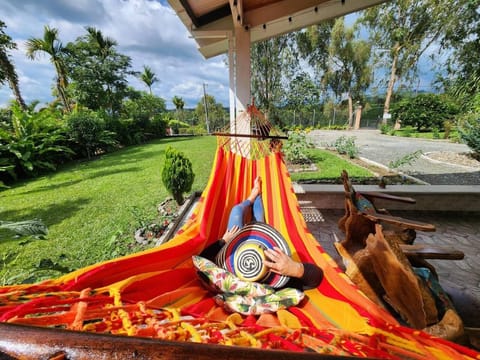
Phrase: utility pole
pixel 206 107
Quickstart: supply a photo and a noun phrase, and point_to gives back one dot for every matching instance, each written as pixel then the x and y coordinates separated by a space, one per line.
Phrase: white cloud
pixel 148 31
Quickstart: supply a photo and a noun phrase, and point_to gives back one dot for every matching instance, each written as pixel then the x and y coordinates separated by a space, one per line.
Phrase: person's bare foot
pixel 256 190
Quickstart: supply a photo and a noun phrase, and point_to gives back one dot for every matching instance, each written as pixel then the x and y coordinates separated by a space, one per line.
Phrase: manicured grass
pixel 93 208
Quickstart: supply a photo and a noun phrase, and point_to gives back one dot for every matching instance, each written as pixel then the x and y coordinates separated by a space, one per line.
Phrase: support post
pixel 239 67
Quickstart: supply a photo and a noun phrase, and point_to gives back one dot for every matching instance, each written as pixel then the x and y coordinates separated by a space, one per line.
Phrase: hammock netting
pixel 156 293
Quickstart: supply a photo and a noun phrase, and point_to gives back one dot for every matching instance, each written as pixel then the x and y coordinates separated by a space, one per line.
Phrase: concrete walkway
pixel 383 149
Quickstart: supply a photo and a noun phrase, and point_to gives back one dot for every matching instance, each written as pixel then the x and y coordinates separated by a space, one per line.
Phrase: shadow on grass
pixel 131 154
pixel 93 175
pixel 51 214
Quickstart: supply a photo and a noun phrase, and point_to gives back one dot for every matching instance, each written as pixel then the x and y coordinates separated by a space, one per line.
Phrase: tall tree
pixel 51 45
pixel 348 70
pixel 462 42
pixel 7 68
pixel 217 115
pixel 179 105
pixel 403 30
pixel 148 77
pixel 313 43
pixel 270 61
pixel 98 72
pixel 103 44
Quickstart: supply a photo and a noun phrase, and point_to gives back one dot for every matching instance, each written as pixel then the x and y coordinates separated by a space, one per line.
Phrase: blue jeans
pixel 239 212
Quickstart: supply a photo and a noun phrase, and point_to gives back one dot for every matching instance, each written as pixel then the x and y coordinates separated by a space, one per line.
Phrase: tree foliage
pixel 401 31
pixel 217 116
pixel 271 62
pixel 51 45
pixel 425 111
pixel 142 118
pixel 7 68
pixel 98 72
pixel 148 77
pixel 32 143
pixel 89 132
pixel 462 41
pixel 179 105
pixel 469 126
pixel 348 71
pixel 313 43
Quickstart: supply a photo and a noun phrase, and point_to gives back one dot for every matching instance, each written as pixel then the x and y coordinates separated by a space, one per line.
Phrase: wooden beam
pixel 28 342
pixel 277 10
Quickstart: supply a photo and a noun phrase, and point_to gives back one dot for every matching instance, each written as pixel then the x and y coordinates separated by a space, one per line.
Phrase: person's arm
pixel 211 251
pixel 312 275
pixel 308 274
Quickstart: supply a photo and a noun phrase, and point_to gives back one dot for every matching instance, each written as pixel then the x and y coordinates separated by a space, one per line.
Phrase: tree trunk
pixel 17 94
pixel 391 83
pixel 63 96
pixel 350 111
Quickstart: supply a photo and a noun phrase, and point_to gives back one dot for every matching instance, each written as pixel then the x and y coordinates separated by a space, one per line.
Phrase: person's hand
pixel 282 264
pixel 230 234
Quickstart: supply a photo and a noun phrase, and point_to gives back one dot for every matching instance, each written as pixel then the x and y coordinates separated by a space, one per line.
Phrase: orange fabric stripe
pixel 165 277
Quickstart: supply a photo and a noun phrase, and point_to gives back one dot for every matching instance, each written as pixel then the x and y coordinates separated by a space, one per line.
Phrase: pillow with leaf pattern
pixel 244 297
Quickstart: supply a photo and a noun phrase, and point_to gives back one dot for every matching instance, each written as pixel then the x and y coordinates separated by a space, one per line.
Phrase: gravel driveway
pixel 383 149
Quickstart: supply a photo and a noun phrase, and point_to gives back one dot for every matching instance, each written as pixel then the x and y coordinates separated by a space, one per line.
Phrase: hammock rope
pixel 156 293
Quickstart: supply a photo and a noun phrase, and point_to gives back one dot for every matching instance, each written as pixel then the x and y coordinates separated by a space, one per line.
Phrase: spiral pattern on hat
pixel 249 263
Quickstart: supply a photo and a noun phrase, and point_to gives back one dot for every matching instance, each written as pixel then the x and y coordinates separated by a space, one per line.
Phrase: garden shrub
pixel 424 111
pixel 346 146
pixel 385 129
pixel 447 127
pixel 177 174
pixel 468 126
pixel 88 131
pixel 142 116
pixel 469 130
pixel 295 147
pixel 157 126
pixel 31 143
pixel 176 125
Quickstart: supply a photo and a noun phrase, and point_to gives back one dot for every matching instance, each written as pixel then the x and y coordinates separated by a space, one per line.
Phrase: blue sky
pixel 146 30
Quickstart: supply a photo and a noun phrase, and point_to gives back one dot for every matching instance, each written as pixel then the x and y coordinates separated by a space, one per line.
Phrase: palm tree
pixel 7 69
pixel 51 45
pixel 104 43
pixel 179 104
pixel 148 77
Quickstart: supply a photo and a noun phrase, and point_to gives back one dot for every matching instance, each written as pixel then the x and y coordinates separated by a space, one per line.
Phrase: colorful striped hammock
pixel 157 294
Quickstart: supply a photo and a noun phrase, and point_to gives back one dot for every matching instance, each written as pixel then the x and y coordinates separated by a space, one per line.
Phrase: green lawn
pixel 92 208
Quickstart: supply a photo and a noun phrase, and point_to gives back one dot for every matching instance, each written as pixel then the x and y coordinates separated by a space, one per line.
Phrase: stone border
pixel 174 226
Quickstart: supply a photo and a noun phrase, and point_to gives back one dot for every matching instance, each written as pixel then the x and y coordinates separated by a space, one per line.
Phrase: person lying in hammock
pixel 302 275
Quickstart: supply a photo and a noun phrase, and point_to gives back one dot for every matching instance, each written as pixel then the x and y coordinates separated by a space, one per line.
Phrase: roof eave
pixel 265 22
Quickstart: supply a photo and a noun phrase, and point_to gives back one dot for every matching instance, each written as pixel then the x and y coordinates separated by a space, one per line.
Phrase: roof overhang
pixel 212 22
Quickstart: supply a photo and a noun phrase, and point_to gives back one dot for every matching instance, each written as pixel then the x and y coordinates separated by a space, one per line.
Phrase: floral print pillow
pixel 223 281
pixel 244 297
